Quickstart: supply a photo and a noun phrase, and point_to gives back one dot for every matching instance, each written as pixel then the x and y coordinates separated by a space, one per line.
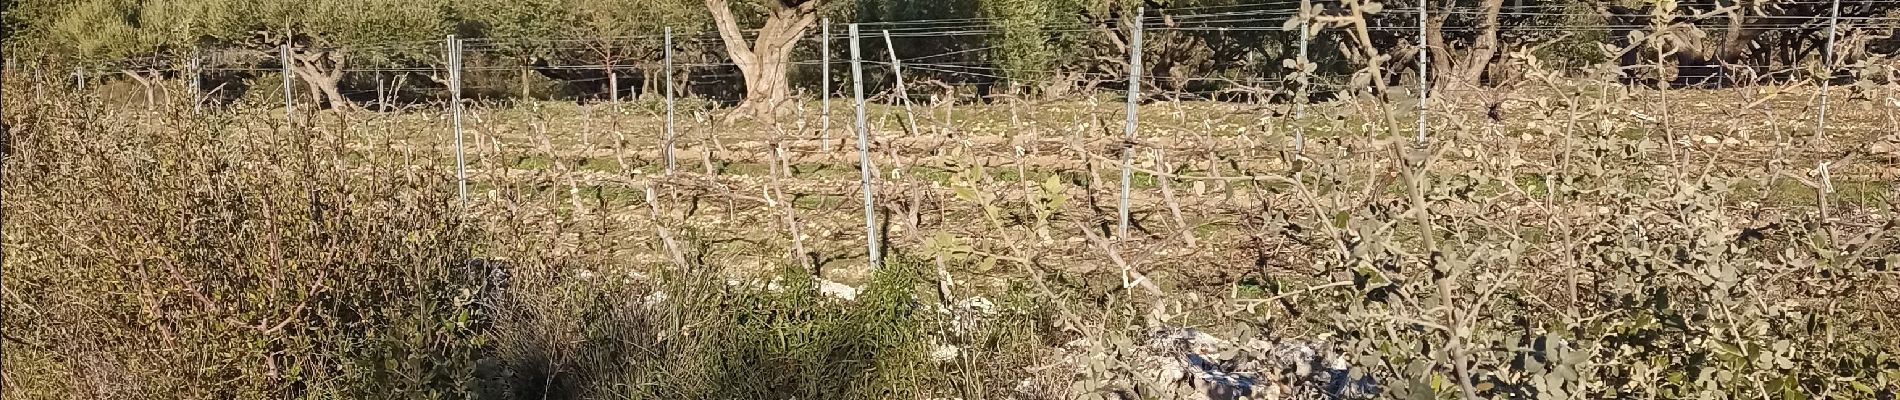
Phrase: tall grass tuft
pixel 166 256
pixel 170 255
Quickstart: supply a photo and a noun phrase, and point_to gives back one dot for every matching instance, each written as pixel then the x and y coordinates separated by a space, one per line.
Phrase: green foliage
pixel 1034 36
pixel 1689 305
pixel 688 336
pixel 1570 49
pixel 617 30
pixel 113 30
pixel 827 350
pixel 1022 39
pixel 396 29
pixel 908 43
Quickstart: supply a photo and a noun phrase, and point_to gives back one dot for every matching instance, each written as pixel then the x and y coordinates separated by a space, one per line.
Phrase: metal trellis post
pixel 1424 88
pixel 1827 67
pixel 1128 129
pixel 1299 103
pixel 197 81
pixel 864 149
pixel 39 88
pixel 670 164
pixel 283 58
pixel 455 113
pixel 824 86
pixel 382 94
pixel 897 70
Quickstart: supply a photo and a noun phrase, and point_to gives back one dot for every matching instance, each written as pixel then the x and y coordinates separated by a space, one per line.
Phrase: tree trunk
pixel 145 82
pixel 649 80
pixel 1452 71
pixel 1439 52
pixel 764 62
pixel 322 69
pixel 1485 47
pixel 315 92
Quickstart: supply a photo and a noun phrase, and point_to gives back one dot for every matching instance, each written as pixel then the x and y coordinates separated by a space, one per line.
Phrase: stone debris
pixel 944 352
pixel 977 305
pixel 656 298
pixel 1261 369
pixel 825 286
pixel 1185 363
pixel 838 290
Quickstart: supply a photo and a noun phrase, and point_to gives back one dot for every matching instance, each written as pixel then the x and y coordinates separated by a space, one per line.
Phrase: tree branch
pixel 730 34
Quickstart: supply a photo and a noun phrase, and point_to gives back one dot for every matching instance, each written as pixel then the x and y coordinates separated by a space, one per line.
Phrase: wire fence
pixel 963 52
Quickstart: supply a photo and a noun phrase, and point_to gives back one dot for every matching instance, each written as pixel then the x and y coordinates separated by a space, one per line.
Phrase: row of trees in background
pixel 1205 48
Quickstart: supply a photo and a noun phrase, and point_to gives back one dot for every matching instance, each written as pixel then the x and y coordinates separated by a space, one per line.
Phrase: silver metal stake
pixel 824 87
pixel 283 57
pixel 197 81
pixel 39 83
pixel 1128 129
pixel 382 94
pixel 1827 56
pixel 864 150
pixel 1424 88
pixel 897 70
pixel 455 111
pixel 1299 103
pixel 670 164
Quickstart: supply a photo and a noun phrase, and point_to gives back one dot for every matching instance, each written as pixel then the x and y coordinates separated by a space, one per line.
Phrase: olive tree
pixel 1033 37
pixel 765 60
pixel 546 34
pixel 326 36
pixel 139 38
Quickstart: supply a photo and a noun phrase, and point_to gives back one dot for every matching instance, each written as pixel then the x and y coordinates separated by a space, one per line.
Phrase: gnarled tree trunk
pixel 323 70
pixel 146 78
pixel 764 62
pixel 1450 70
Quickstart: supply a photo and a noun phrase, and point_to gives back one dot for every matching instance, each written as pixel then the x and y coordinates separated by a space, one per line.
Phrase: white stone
pixel 838 290
pixel 656 298
pixel 945 353
pixel 978 305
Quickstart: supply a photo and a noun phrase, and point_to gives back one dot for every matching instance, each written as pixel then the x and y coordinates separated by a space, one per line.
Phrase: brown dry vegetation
pixel 1595 241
